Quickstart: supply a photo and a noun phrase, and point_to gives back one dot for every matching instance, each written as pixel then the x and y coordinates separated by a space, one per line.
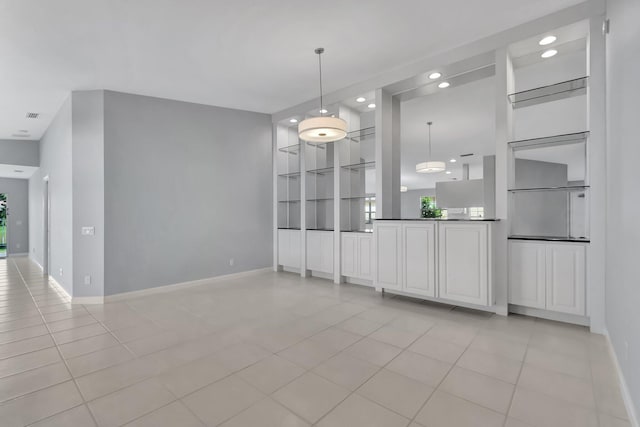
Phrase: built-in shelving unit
pixel 554 92
pixel 357 181
pixel 288 180
pixel 319 159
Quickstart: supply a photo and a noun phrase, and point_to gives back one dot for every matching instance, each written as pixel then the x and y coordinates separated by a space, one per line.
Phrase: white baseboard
pixel 626 395
pixel 549 315
pixel 183 285
pixel 32 259
pixel 87 300
pixel 57 285
pixel 18 254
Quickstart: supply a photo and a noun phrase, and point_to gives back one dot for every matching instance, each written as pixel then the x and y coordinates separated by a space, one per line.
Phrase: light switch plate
pixel 88 231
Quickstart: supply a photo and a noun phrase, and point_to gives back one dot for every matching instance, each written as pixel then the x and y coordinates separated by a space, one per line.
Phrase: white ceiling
pixel 247 54
pixel 16 171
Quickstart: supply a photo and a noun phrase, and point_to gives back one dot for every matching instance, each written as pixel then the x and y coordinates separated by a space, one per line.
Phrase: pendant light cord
pixel 429 123
pixel 320 51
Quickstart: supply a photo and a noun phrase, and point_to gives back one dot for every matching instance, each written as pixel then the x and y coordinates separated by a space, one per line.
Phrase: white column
pixel 504 134
pixel 274 167
pixel 597 174
pixel 303 209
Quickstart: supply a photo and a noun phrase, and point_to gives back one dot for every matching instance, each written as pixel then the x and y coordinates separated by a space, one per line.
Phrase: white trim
pixel 176 286
pixel 32 259
pixel 58 286
pixel 624 389
pixel 87 300
pixel 17 254
pixel 550 315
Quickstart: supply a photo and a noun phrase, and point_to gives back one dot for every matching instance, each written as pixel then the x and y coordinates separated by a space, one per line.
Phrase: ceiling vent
pixel 466 155
pixel 21 135
pixel 33 115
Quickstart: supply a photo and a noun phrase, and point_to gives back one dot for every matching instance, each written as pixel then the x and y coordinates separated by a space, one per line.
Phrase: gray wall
pixel 24 153
pixel 17 191
pixel 88 192
pixel 187 188
pixel 55 162
pixel 623 203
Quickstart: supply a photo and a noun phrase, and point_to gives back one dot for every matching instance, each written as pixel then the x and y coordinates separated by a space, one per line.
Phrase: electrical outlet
pixel 87 279
pixel 61 272
pixel 232 261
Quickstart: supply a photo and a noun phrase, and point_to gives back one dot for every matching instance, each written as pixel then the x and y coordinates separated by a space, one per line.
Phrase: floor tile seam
pixel 444 377
pixel 58 382
pixel 58 413
pixel 75 383
pixel 24 339
pixel 164 387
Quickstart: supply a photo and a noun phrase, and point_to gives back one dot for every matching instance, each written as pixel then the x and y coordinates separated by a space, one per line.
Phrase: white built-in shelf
pixel 361 134
pixel 289 175
pixel 359 166
pixel 564 188
pixel 567 138
pixel 321 171
pixel 554 92
pixel 290 149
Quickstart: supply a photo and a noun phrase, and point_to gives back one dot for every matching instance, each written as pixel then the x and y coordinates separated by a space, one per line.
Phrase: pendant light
pixel 430 166
pixel 324 128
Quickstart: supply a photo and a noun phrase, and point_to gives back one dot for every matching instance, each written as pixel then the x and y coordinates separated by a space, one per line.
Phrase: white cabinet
pixel 320 251
pixel 357 255
pixel 365 256
pixel 548 275
pixel 464 269
pixel 419 258
pixel 566 287
pixel 388 254
pixel 289 248
pixel 527 273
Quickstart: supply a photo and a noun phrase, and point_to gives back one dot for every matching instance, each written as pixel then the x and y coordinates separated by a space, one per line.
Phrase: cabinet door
pixel 349 255
pixel 289 248
pixel 527 274
pixel 464 263
pixel 388 254
pixel 566 278
pixel 419 259
pixel 365 256
pixel 320 251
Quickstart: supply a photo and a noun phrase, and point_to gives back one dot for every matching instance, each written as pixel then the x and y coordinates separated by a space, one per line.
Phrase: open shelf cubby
pixel 554 92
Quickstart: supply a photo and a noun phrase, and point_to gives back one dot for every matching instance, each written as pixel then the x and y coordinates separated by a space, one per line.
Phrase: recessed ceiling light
pixel 547 40
pixel 371 105
pixel 403 189
pixel 549 53
pixel 435 75
pixel 452 161
pixel 293 120
pixel 361 99
pixel 324 111
pixel 23 131
pixel 444 85
pixel 448 172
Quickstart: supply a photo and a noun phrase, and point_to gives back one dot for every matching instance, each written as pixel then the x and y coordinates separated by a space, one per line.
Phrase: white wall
pixel 623 176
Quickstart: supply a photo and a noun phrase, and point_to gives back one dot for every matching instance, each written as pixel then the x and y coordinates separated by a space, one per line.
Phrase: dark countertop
pixel 439 219
pixel 551 239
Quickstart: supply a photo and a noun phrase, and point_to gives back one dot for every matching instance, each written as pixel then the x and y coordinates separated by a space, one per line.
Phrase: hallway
pixel 272 349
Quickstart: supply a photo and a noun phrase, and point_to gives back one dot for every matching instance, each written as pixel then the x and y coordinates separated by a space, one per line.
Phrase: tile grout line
pixel 59 353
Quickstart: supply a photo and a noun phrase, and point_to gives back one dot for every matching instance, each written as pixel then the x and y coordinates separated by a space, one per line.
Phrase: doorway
pixel 4 210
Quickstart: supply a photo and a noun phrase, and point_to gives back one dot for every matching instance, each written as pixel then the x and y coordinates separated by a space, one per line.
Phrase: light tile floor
pixel 272 349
